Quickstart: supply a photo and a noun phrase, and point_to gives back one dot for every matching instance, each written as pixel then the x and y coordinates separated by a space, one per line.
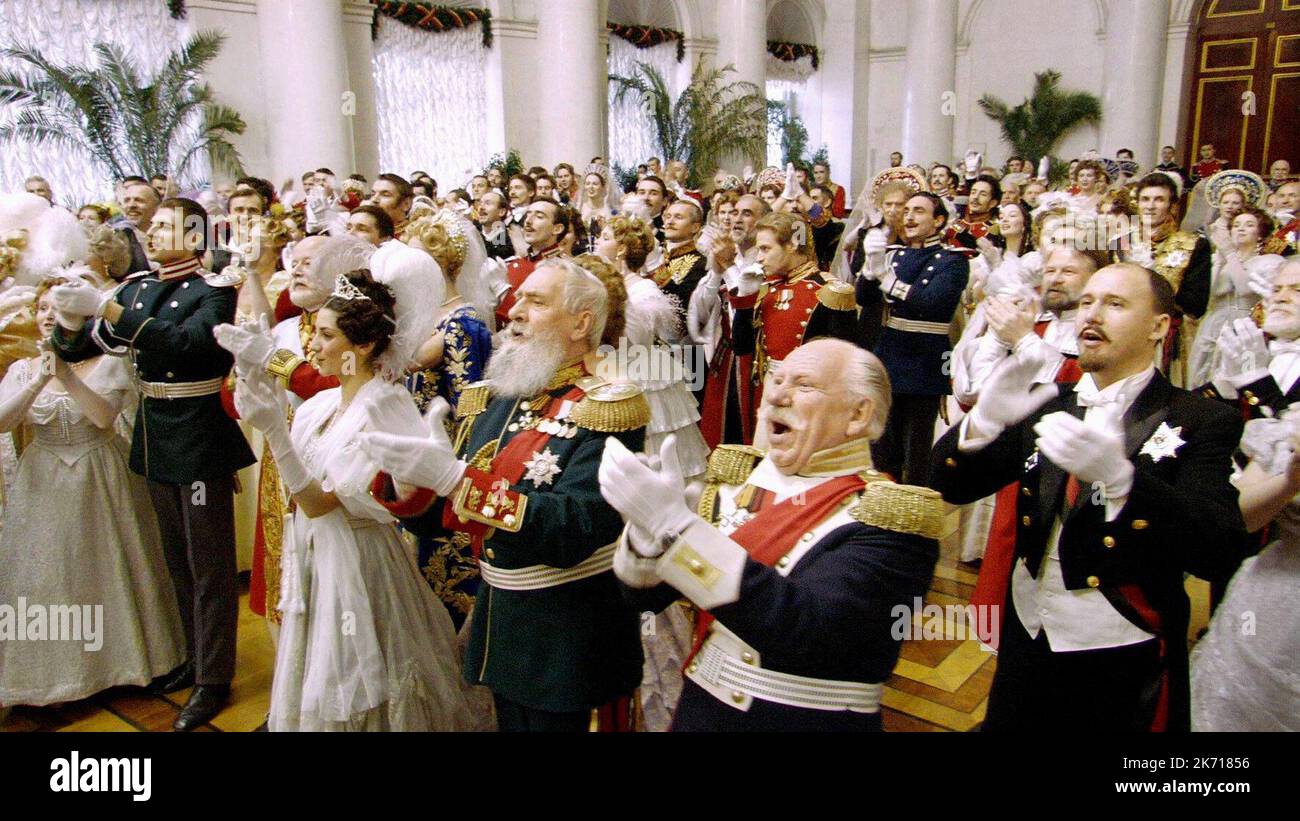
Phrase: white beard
pixel 521 367
pixel 1283 328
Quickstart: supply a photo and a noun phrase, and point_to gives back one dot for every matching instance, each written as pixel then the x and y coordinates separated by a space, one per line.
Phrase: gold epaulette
pixel 837 295
pixel 901 508
pixel 612 408
pixel 473 400
pixel 732 464
pixel 282 365
pixel 1274 245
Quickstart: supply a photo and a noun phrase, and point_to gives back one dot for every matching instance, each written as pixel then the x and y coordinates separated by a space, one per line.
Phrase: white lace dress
pixel 364 644
pixel 80 531
pixel 1246 670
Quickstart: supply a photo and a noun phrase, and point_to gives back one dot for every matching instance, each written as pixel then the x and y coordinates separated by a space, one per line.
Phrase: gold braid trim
pixel 732 464
pixel 837 295
pixel 473 400
pixel 612 408
pixel 901 508
pixel 282 365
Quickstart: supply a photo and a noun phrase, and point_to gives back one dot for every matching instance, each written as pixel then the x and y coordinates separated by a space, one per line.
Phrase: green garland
pixel 428 17
pixel 649 36
pixel 790 52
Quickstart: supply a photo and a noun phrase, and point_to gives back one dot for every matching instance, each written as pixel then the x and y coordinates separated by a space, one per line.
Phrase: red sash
pixel 509 461
pixel 774 530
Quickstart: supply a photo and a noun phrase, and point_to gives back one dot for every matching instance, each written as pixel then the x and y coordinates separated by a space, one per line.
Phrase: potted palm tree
pixel 1034 127
pixel 709 121
pixel 129 123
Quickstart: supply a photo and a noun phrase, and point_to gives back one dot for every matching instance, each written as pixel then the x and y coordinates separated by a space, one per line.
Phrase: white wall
pixel 235 74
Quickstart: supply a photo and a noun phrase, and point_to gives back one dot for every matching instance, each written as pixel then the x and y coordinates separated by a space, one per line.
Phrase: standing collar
pixel 179 269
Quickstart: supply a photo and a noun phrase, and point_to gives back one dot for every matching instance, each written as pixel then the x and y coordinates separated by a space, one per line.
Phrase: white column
pixel 846 42
pixel 929 77
pixel 571 75
pixel 361 114
pixel 1134 75
pixel 742 40
pixel 512 110
pixel 304 69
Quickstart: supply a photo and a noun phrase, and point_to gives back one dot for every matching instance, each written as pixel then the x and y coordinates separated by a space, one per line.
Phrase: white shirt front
pixel 1284 366
pixel 1078 619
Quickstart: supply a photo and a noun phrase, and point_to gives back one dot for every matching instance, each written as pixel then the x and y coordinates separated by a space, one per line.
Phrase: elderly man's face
pixel 1282 316
pixel 1279 170
pixel 681 222
pixel 807 407
pixel 304 289
pixel 1288 197
pixel 539 312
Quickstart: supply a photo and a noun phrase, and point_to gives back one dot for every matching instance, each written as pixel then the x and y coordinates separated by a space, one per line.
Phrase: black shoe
pixel 177 679
pixel 204 704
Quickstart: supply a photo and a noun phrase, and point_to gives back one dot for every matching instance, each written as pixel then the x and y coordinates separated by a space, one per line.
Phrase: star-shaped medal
pixel 542 468
pixel 1164 442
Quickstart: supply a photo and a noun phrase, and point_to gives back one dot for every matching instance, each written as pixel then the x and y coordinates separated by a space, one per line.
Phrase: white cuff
pixel 973 436
pixel 705 566
pixel 451 480
pixel 895 289
pixel 633 569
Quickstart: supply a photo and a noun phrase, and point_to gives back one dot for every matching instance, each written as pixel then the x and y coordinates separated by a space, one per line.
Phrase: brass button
pixel 185 285
pixel 737 696
pixel 1252 401
pixel 950 462
pixel 807 537
pixel 803 323
pixel 171 375
pixel 695 566
pixel 1109 541
pixel 490 553
pixel 1024 491
pixel 783 562
pixel 1025 520
pixel 1093 581
pixel 1140 524
pixel 508 520
pixel 695 665
pixel 747 657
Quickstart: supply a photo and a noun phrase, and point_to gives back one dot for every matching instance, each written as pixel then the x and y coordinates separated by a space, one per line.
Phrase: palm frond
pixel 1034 127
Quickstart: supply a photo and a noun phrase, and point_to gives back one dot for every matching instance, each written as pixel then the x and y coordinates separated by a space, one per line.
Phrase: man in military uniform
pixel 794 301
pixel 684 266
pixel 1182 257
pixel 1123 487
pixel 1286 239
pixel 977 222
pixel 545 224
pixel 184 443
pixel 922 286
pixel 1262 376
pixel 800 555
pixel 550 633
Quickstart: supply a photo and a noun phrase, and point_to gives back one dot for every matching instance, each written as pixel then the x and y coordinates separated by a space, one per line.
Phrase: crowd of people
pixel 539 454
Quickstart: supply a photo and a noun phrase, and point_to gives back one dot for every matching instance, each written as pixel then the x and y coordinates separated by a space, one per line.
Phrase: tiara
pixel 345 290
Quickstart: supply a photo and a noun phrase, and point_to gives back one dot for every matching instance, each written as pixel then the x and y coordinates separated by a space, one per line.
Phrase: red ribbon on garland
pixel 428 17
pixel 649 36
pixel 790 52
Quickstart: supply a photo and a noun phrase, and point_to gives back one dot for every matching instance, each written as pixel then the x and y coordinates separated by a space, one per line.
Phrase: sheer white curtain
pixel 787 82
pixel 65 31
pixel 632 136
pixel 430 90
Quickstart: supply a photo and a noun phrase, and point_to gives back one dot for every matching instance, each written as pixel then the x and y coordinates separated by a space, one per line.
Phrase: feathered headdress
pixel 418 286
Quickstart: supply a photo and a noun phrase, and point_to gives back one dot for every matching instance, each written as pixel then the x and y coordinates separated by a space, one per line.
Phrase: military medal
pixel 542 468
pixel 1164 442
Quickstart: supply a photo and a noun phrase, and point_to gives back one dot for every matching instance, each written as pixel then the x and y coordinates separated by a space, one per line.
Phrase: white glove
pixel 1094 454
pixel 424 461
pixel 1044 165
pixel 250 342
pixel 1008 397
pixel 262 404
pixel 649 499
pixel 705 302
pixel 748 279
pixel 972 163
pixel 1243 353
pixel 494 274
pixel 990 253
pixel 792 187
pixel 747 174
pixel 79 299
pixel 1261 281
pixel 874 245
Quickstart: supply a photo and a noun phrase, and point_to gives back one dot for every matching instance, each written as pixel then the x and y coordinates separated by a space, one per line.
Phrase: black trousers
pixel 197 523
pixel 1092 691
pixel 513 717
pixel 904 450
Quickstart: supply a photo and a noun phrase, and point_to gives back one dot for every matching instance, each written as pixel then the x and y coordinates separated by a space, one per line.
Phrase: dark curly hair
pixel 366 320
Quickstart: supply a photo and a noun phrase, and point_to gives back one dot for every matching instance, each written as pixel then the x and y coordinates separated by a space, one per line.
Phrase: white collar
pixel 1122 392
